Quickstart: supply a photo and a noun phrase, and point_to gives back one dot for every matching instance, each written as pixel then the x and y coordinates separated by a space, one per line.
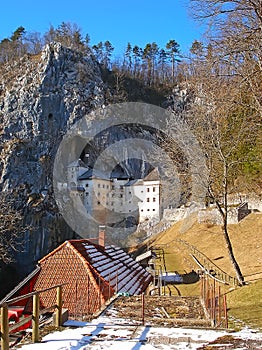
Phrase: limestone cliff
pixel 41 96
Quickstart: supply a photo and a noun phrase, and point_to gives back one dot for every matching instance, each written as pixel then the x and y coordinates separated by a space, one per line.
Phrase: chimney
pixel 101 236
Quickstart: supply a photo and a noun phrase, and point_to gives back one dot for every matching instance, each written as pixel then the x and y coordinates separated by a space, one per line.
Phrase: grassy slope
pixel 244 303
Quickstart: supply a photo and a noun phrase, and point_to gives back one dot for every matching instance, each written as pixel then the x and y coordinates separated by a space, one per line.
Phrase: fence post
pixel 143 308
pixel 35 319
pixel 59 304
pixel 219 305
pixel 4 328
pixel 225 311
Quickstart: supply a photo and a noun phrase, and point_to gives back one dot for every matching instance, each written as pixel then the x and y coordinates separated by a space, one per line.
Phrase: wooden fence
pixel 36 312
pixel 214 301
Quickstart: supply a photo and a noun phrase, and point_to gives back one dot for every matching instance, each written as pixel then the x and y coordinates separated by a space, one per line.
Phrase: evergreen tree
pixel 173 50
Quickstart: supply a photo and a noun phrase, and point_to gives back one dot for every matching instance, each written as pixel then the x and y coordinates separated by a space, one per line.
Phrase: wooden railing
pixel 214 301
pixel 206 264
pixel 6 328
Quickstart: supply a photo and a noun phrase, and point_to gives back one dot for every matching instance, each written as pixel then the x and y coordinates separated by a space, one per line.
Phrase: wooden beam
pixel 35 319
pixel 4 328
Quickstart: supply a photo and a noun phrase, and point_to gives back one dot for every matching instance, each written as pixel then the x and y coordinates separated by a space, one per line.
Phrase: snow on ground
pixel 103 334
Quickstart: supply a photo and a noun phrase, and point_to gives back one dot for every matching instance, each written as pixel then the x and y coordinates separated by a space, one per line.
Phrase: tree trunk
pixel 239 275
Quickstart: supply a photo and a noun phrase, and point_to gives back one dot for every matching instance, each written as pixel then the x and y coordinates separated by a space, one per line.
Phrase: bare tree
pixel 12 225
pixel 226 125
pixel 235 32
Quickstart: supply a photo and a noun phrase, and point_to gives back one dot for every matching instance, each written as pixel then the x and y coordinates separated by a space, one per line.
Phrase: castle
pixel 117 193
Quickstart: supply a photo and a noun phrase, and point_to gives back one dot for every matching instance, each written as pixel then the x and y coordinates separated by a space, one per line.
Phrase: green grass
pixel 245 304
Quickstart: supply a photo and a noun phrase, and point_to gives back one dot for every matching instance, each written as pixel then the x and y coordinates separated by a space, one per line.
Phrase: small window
pixel 142 209
pixel 148 209
pixel 87 193
pixel 154 189
pixel 154 199
pixel 142 191
pixel 148 189
pixel 98 203
pixel 113 187
pixel 154 209
pixel 148 199
pixel 86 185
pixel 130 192
pixel 121 196
pixel 121 187
pixel 98 185
pixel 112 203
pixel 107 186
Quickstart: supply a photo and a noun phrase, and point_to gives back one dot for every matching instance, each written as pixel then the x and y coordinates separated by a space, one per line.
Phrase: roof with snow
pixel 91 272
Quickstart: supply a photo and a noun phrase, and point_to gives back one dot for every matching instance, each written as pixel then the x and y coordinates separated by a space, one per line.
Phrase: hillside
pixel 244 303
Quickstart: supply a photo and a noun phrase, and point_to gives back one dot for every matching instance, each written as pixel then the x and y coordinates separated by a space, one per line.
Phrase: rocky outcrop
pixel 41 96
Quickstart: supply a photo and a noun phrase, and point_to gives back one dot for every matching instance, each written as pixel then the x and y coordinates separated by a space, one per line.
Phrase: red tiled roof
pixel 92 273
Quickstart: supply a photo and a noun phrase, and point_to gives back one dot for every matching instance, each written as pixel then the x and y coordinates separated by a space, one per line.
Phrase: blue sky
pixel 119 21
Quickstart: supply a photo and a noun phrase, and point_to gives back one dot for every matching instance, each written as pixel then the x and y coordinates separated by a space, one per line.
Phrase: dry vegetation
pixel 245 302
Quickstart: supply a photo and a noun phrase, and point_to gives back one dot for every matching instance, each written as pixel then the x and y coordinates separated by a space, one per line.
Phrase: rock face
pixel 40 98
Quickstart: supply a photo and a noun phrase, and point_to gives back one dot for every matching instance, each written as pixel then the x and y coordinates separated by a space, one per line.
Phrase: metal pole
pixel 109 286
pixel 35 319
pixel 99 283
pixel 214 302
pixel 4 328
pixel 88 291
pixel 116 281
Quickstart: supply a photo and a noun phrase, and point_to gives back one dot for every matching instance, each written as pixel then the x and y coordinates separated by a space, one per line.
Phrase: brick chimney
pixel 101 236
